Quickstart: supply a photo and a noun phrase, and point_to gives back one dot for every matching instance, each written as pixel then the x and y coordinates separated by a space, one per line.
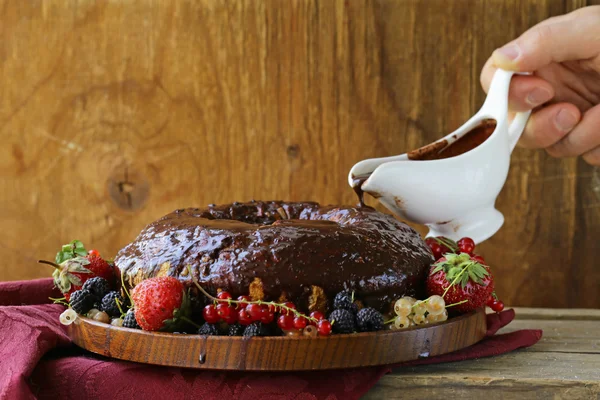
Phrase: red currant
pixel 94 253
pixel 244 318
pixel 318 315
pixel 210 314
pixel 243 300
pixel 289 304
pixel 266 315
pixel 223 296
pixel 224 310
pixel 232 317
pixel 299 322
pixel 497 306
pixel 466 245
pixel 285 322
pixel 324 327
pixel 490 300
pixel 255 311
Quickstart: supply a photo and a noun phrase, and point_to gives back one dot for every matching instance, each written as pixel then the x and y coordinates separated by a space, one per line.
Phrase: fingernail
pixel 538 96
pixel 565 120
pixel 510 51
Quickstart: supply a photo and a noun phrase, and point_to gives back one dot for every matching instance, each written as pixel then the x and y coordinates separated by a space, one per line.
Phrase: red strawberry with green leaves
pixel 460 278
pixel 73 266
pixel 161 304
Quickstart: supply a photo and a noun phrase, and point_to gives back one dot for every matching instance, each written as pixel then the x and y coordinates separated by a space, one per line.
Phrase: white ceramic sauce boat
pixel 455 197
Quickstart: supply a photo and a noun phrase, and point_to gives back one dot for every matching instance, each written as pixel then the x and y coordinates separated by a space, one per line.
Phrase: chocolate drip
pixel 357 183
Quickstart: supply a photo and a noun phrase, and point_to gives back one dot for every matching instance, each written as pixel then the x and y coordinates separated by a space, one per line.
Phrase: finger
pixel 583 138
pixel 592 157
pixel 526 92
pixel 549 125
pixel 574 36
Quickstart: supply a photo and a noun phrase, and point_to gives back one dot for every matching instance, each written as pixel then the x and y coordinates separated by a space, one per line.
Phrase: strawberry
pixel 160 303
pixel 73 266
pixel 461 278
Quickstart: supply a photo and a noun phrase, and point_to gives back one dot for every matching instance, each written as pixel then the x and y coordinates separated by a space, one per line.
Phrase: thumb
pixel 574 36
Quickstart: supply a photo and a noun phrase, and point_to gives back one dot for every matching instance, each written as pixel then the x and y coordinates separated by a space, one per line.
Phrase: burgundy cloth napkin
pixel 37 360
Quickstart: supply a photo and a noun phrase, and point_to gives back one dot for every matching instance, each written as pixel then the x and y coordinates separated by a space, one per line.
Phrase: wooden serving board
pixel 279 353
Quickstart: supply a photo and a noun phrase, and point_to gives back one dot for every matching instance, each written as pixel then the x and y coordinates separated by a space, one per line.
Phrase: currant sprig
pixel 278 307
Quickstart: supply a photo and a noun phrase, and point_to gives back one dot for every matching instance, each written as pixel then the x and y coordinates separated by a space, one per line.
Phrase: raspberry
pixel 109 304
pixel 81 301
pixel 236 330
pixel 343 301
pixel 208 330
pixel 256 329
pixel 368 320
pixel 342 321
pixel 97 286
pixel 129 321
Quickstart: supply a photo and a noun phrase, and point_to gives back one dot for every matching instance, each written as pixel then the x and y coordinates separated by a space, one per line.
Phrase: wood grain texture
pixel 564 364
pixel 114 113
pixel 279 353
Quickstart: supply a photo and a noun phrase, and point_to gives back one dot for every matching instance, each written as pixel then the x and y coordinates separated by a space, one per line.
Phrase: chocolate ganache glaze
pixel 279 250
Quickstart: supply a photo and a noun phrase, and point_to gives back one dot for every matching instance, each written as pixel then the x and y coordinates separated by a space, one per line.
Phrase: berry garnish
pixel 369 320
pixel 316 315
pixel 113 304
pixel 161 303
pixel 236 330
pixel 324 327
pixel 299 322
pixel 497 306
pixel 440 246
pixel 462 281
pixel 466 245
pixel 224 310
pixel 285 322
pixel 232 317
pixel 256 329
pixel 242 301
pixel 208 330
pixel 129 321
pixel 244 318
pixel 73 266
pixel 288 304
pixel 223 296
pixel 211 314
pixel 342 321
pixel 254 311
pixel 97 286
pixel 266 316
pixel 82 301
pixel 94 253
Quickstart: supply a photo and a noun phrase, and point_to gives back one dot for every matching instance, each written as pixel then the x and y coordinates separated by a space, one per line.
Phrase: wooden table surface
pixel 564 364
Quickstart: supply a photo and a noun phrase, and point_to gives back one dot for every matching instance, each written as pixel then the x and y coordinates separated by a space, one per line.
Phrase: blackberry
pixel 343 301
pixel 342 321
pixel 109 304
pixel 256 329
pixel 236 330
pixel 129 321
pixel 97 286
pixel 81 301
pixel 208 330
pixel 368 320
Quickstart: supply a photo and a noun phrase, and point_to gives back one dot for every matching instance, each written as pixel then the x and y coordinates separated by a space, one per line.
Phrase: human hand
pixel 563 53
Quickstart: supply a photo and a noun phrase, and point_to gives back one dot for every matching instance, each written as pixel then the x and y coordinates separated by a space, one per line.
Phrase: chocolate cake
pixel 301 252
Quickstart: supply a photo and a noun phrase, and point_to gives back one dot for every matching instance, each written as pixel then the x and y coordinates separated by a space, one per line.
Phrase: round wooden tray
pixel 279 353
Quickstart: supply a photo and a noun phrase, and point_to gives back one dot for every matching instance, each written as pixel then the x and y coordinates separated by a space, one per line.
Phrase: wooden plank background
pixel 113 113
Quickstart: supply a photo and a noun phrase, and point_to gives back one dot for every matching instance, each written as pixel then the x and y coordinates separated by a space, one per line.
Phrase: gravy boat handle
pixel 496 105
